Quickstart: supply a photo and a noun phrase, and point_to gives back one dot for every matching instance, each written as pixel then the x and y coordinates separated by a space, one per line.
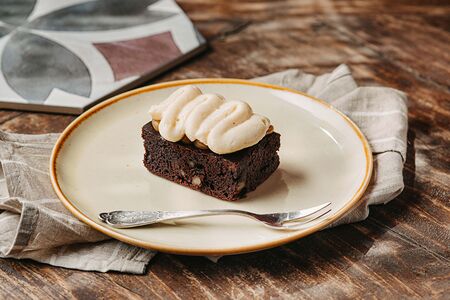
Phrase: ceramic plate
pixel 96 166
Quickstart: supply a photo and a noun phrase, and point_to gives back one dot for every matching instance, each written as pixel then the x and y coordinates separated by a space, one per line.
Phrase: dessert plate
pixel 96 166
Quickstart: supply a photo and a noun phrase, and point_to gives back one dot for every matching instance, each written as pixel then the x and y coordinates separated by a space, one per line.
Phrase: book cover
pixel 66 55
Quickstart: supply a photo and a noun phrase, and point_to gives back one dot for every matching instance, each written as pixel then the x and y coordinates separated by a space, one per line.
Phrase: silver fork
pixel 129 219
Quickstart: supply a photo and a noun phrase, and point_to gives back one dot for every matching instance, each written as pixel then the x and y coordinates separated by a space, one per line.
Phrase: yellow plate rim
pixel 186 251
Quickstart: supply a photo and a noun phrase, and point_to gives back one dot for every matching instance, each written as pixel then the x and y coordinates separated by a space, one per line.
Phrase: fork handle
pixel 129 219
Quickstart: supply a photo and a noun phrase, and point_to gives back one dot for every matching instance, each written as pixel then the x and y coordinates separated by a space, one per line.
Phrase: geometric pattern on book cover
pixel 72 52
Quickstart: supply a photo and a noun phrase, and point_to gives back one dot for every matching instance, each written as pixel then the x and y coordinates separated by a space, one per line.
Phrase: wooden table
pixel 400 251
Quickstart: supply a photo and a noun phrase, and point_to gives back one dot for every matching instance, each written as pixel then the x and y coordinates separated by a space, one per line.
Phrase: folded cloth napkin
pixel 35 225
pixel 381 114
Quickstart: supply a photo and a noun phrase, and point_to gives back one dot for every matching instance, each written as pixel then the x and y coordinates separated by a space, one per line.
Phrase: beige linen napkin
pixel 35 225
pixel 381 114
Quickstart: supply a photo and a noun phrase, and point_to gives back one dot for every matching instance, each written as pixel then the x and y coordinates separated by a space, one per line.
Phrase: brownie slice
pixel 228 177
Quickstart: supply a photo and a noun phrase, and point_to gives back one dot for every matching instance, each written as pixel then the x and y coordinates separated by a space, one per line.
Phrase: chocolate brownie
pixel 228 176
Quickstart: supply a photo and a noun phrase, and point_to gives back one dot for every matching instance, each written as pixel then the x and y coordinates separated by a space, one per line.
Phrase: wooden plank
pixel 345 262
pixel 36 123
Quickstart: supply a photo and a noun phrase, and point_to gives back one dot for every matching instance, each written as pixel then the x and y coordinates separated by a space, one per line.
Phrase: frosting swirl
pixel 224 126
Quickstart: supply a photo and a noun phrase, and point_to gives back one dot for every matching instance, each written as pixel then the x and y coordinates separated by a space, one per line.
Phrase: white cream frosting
pixel 224 126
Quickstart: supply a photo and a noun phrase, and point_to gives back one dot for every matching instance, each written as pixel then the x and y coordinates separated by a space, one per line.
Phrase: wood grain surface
pixel 400 251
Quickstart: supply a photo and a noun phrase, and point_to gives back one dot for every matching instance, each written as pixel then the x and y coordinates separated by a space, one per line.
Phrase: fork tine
pixel 300 214
pixel 293 226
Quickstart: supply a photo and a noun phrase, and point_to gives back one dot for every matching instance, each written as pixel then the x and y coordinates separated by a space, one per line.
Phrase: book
pixel 64 56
